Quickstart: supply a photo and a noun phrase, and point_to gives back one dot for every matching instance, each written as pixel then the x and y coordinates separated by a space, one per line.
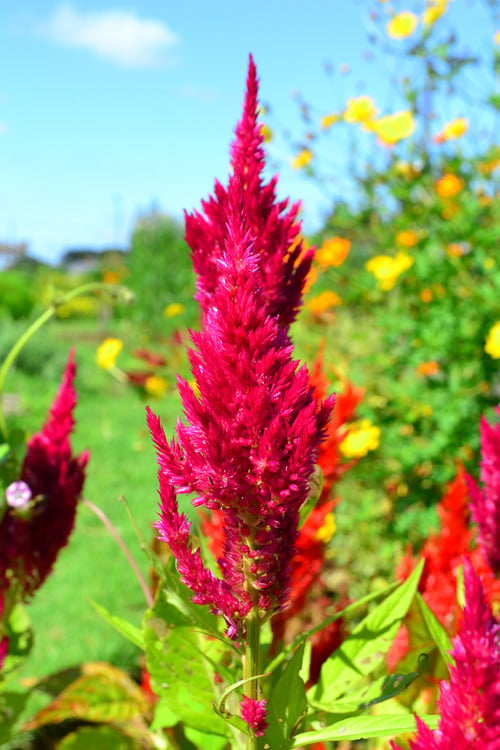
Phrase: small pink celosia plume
pixel 254 713
pixel 30 542
pixel 485 502
pixel 470 703
pixel 252 431
pixel 283 262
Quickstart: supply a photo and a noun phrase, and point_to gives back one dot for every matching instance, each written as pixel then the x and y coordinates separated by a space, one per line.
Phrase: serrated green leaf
pixel 362 728
pixel 127 629
pixel 365 648
pixel 287 703
pixel 180 661
pixel 103 694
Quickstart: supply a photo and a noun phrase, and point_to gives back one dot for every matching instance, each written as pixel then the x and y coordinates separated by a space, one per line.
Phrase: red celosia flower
pixel 30 540
pixel 251 439
pixel 250 444
pixel 443 553
pixel 470 703
pixel 485 503
pixel 254 713
pixel 283 263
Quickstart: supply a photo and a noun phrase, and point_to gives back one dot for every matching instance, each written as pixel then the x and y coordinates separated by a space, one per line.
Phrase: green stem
pixel 251 666
pixel 35 326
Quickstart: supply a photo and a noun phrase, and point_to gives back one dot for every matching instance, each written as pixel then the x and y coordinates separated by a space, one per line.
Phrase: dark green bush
pixel 16 299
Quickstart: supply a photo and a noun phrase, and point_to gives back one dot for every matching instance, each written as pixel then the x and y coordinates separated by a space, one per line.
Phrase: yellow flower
pixel 324 302
pixel 497 38
pixel 387 269
pixel 492 346
pixel 454 129
pixel 393 128
pixel 449 185
pixel 406 238
pixel 107 353
pixel 266 133
pixel 328 120
pixel 435 9
pixel 156 386
pixel 402 25
pixel 360 109
pixel 327 530
pixel 173 309
pixel 333 252
pixel 360 440
pixel 302 159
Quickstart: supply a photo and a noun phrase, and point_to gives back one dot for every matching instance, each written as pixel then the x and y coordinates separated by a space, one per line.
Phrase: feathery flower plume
pixel 249 445
pixel 283 260
pixel 32 535
pixel 254 713
pixel 470 703
pixel 485 503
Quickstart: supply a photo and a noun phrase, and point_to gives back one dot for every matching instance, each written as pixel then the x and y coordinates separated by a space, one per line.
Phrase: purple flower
pixel 253 712
pixel 18 494
pixel 275 232
pixel 30 543
pixel 485 503
pixel 470 703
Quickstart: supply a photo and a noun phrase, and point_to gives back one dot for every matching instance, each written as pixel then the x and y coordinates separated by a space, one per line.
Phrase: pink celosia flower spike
pixel 31 536
pixel 254 713
pixel 470 703
pixel 250 440
pixel 283 261
pixel 485 503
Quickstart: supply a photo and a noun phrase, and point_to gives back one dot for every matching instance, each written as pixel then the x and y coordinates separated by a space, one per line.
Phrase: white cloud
pixel 117 35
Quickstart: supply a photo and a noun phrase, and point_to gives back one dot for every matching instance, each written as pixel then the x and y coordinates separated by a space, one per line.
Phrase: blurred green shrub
pixel 161 275
pixel 38 358
pixel 16 297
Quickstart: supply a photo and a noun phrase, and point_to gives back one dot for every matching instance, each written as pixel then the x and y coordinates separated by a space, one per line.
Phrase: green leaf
pixel 102 694
pixel 346 612
pixel 127 629
pixel 436 630
pixel 206 741
pixel 97 738
pixel 365 648
pixel 20 635
pixel 4 452
pixel 11 707
pixel 181 662
pixel 361 728
pixel 287 703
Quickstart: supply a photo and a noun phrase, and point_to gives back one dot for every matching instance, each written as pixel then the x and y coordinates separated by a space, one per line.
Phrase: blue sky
pixel 109 107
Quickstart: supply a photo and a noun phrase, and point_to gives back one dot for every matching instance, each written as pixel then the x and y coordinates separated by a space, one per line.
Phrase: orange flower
pixel 428 369
pixel 333 252
pixel 406 238
pixel 455 250
pixel 324 302
pixel 426 295
pixel 449 185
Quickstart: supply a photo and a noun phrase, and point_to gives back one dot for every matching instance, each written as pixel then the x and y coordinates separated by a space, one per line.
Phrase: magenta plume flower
pixel 283 261
pixel 254 713
pixel 470 703
pixel 249 445
pixel 33 532
pixel 485 503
